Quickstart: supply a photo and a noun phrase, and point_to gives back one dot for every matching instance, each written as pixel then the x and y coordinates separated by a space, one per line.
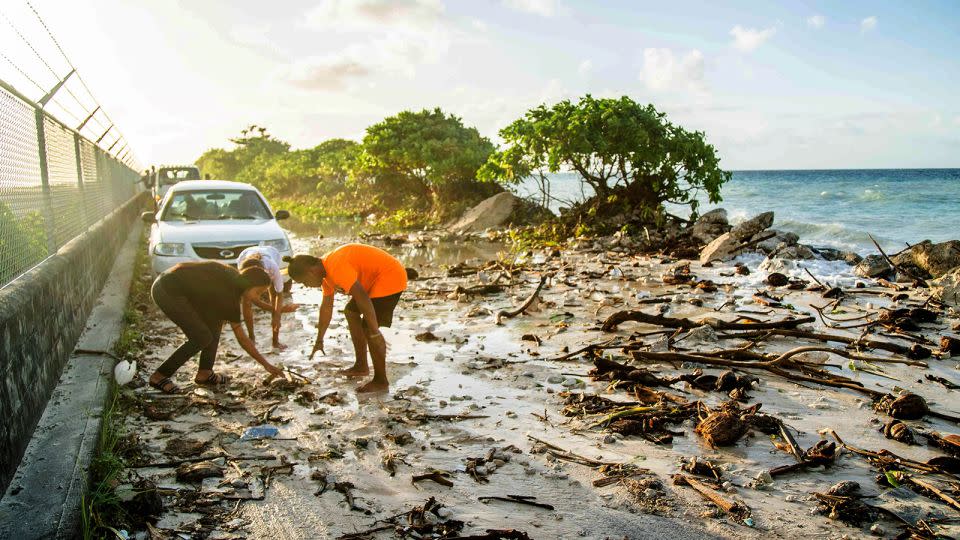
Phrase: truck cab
pixel 170 175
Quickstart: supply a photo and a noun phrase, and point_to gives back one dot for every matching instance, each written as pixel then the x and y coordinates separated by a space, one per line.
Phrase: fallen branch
pixel 731 507
pixel 503 314
pixel 620 317
pixel 518 499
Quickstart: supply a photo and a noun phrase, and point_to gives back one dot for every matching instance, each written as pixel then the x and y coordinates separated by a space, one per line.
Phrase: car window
pixel 215 204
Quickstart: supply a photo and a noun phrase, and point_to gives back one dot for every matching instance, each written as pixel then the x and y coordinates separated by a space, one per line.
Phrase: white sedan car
pixel 212 220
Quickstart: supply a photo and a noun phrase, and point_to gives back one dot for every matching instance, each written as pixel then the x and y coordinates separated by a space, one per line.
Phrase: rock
pixel 947 288
pixel 873 266
pixel 933 259
pixel 720 248
pixel 501 209
pixel 749 228
pixel 710 225
pixel 491 212
pixel 770 245
pixel 793 252
pixel 851 258
pixel 776 279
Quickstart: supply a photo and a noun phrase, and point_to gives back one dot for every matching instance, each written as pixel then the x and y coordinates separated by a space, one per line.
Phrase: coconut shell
pixel 721 428
pixel 898 431
pixel 908 407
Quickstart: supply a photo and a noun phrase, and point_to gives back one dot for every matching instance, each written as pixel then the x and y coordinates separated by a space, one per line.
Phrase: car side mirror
pixel 148 217
pixel 282 214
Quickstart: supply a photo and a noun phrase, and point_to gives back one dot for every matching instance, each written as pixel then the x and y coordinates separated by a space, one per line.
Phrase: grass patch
pixel 102 514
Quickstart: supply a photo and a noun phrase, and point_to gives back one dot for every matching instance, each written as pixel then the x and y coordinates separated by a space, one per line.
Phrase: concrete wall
pixel 42 314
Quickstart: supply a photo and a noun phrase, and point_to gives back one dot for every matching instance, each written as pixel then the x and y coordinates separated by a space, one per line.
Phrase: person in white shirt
pixel 269 259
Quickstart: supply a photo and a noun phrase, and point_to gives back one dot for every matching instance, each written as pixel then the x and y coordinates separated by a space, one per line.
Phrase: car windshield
pixel 170 176
pixel 215 204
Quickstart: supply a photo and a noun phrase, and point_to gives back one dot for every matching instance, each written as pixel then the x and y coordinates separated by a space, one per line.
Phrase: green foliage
pixel 23 242
pixel 412 169
pixel 617 146
pixel 426 153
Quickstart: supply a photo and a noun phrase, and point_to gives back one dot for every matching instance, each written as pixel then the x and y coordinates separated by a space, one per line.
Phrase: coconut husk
pixel 722 428
pixel 905 407
pixel 898 431
pixel 194 472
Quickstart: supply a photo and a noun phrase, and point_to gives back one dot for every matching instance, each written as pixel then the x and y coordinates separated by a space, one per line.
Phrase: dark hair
pixel 255 260
pixel 254 276
pixel 299 265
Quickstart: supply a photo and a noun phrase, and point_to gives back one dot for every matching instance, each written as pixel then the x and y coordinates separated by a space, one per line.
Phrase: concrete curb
pixel 44 498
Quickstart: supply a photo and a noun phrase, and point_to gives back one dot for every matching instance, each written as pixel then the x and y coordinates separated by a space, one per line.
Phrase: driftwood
pixel 620 317
pixel 909 352
pixel 518 499
pixel 503 314
pixel 731 507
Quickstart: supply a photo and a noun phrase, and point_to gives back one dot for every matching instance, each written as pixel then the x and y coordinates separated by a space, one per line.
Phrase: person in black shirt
pixel 198 297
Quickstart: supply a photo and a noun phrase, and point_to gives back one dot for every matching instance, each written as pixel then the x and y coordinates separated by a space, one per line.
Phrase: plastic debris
pixel 264 431
pixel 124 371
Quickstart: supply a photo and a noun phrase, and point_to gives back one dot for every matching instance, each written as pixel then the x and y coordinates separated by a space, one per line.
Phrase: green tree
pixel 245 163
pixel 22 244
pixel 426 153
pixel 623 150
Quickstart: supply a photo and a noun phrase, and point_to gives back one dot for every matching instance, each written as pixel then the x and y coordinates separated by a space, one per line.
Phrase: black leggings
pixel 203 333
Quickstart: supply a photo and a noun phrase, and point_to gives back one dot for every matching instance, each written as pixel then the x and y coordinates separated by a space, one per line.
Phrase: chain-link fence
pixel 54 184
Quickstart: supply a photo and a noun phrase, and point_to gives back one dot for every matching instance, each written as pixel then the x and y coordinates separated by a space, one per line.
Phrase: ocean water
pixel 832 208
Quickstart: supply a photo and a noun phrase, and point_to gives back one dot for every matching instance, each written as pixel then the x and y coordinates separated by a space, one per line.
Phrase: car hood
pixel 219 231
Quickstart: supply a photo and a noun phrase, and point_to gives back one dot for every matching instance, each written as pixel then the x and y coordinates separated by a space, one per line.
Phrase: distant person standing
pixel 375 280
pixel 199 297
pixel 269 259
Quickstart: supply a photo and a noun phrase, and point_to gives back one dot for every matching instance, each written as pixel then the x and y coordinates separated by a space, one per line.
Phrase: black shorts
pixel 382 306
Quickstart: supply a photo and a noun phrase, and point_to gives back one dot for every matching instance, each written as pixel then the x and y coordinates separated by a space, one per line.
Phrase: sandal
pixel 166 386
pixel 215 379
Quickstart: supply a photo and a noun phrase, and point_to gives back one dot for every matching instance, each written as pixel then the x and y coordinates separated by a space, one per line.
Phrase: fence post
pixel 84 210
pixel 45 184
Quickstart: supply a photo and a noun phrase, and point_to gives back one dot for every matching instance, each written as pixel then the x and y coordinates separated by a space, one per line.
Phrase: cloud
pixel 366 14
pixel 749 39
pixel 868 24
pixel 380 37
pixel 816 21
pixel 662 70
pixel 544 8
pixel 330 72
pixel 585 68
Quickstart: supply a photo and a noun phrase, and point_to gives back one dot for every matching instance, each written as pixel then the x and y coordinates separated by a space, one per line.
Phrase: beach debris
pixel 701 467
pixel 949 443
pixel 734 508
pixel 898 431
pixel 440 477
pixel 263 431
pixel 724 426
pixel 185 447
pixel 505 314
pixel 194 472
pixel 527 500
pixel 124 372
pixel 776 279
pixel 907 406
pixel 950 345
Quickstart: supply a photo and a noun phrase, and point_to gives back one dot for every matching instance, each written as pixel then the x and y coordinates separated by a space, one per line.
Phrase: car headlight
pixel 168 249
pixel 280 244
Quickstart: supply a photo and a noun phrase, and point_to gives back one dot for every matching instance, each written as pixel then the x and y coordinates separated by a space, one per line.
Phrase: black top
pixel 212 288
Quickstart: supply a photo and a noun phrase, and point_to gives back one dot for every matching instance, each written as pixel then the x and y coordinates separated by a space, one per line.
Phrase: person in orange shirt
pixel 375 280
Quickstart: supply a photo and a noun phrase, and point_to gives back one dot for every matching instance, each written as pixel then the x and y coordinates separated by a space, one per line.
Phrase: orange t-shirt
pixel 378 272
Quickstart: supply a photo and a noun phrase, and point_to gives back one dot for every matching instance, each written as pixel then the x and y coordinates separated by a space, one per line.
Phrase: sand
pixel 479 368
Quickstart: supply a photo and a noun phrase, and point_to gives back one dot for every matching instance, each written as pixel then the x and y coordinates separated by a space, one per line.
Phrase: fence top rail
pixel 37 107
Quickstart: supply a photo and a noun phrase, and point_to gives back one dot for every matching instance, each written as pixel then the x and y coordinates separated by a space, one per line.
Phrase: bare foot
pixel 355 372
pixel 374 386
pixel 279 346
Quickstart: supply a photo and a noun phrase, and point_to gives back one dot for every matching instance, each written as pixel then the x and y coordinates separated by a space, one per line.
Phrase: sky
pixel 792 85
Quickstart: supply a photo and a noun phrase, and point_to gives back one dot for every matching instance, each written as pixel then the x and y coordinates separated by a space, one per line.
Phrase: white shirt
pixel 270 258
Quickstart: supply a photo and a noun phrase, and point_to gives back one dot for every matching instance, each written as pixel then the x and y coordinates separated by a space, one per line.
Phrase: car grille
pixel 220 253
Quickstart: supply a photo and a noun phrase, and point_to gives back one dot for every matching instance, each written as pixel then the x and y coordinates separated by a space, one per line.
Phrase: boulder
pixel 720 249
pixel 873 266
pixel 933 259
pixel 749 228
pixel 793 252
pixel 946 288
pixel 709 226
pixel 491 212
pixel 770 245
